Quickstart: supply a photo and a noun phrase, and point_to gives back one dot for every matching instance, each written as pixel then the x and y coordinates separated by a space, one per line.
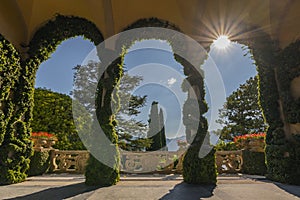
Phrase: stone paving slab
pixel 177 190
pixel 137 187
pixel 41 185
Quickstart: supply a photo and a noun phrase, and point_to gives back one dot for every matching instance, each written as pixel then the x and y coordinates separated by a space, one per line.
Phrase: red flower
pixel 44 135
pixel 249 136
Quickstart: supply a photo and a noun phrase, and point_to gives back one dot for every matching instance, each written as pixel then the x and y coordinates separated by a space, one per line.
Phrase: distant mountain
pixel 172 143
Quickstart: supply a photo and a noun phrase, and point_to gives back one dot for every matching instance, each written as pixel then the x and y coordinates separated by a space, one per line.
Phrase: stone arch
pixel 283 144
pixel 270 59
pixel 17 130
pixel 264 51
pixel 278 70
pixel 192 163
pixel 281 114
pixel 60 28
pixel 44 42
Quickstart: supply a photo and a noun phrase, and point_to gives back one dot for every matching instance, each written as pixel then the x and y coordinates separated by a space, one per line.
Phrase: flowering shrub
pixel 248 137
pixel 253 142
pixel 43 135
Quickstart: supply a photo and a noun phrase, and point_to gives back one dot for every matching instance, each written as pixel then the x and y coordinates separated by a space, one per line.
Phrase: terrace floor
pixel 67 186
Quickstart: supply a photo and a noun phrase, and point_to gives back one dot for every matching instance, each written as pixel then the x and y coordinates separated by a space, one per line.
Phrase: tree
pixel 162 130
pixel 241 113
pixel 85 84
pixel 130 131
pixel 156 128
pixel 52 113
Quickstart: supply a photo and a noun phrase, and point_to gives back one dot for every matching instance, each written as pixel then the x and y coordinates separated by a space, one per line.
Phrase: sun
pixel 222 42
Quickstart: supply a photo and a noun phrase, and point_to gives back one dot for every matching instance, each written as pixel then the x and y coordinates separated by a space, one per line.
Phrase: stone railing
pixel 157 161
pixel 229 161
pixel 68 161
pixel 131 162
pixel 140 162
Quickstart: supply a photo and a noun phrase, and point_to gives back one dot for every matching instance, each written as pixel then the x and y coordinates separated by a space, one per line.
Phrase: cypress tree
pixel 156 129
pixel 162 130
pixel 153 132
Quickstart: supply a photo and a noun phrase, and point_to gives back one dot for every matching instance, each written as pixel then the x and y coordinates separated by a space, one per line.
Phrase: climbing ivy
pixel 125 41
pixel 276 69
pixel 49 36
pixel 289 64
pixel 196 169
pixel 17 89
pixel 283 149
pixel 43 43
pixel 9 74
pixel 98 173
pixel 15 146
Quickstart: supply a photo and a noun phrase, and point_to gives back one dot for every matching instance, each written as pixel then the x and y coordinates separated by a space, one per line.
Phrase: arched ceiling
pixel 203 20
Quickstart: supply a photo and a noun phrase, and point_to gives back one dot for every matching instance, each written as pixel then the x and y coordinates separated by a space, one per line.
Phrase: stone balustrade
pixel 68 161
pixel 141 162
pixel 131 162
pixel 156 161
pixel 229 161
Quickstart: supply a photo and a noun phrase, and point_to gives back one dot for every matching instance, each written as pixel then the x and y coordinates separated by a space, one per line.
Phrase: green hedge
pixel 52 113
pixel 39 163
pixel 254 163
pixel 283 163
pixel 229 146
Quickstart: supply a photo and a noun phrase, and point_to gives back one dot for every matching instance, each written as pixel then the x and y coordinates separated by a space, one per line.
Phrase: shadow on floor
pixel 58 192
pixel 184 191
pixel 292 189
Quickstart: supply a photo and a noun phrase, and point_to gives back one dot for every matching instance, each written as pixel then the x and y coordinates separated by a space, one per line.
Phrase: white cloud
pixel 171 81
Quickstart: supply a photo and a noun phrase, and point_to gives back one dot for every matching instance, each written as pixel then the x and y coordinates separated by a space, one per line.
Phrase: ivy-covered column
pixel 15 145
pixel 17 78
pixel 98 173
pixel 277 69
pixel 283 144
pixel 196 168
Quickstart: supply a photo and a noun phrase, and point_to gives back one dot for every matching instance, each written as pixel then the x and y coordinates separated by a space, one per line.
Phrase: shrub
pixel 200 170
pixel 229 146
pixel 254 163
pixel 283 163
pixel 39 163
pixel 254 141
pixel 52 113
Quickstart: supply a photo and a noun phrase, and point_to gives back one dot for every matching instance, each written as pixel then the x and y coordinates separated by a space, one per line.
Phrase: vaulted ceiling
pixel 204 20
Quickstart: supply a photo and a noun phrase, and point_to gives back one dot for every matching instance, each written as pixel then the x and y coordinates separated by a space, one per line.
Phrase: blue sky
pixel 162 75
